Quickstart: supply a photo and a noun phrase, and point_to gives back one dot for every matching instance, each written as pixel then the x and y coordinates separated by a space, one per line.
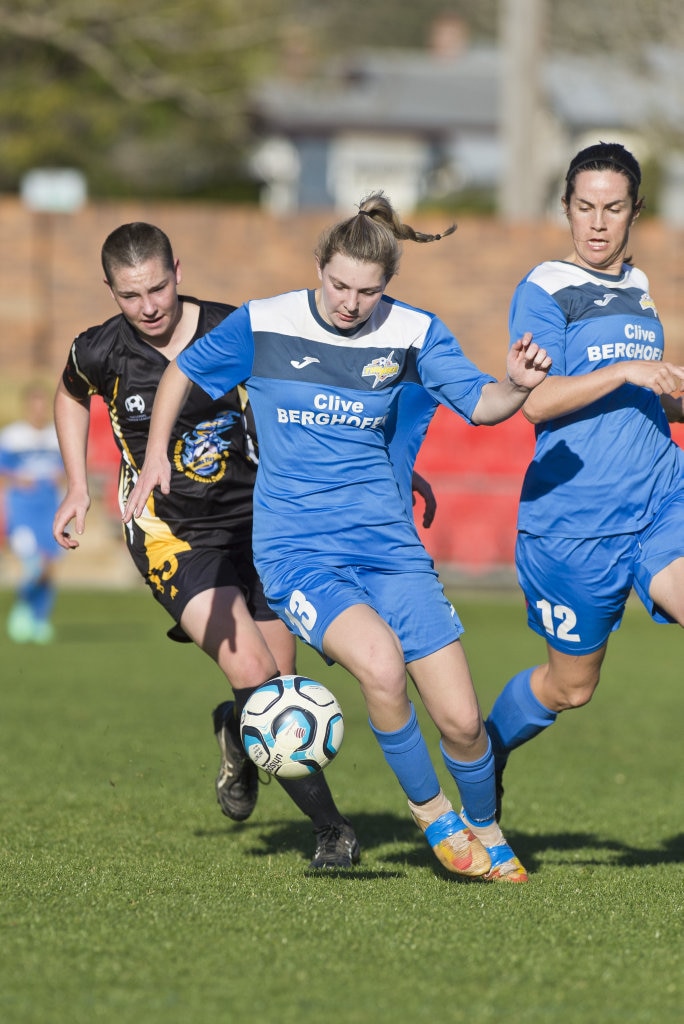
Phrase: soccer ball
pixel 292 727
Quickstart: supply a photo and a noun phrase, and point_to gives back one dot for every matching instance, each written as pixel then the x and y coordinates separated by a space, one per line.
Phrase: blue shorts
pixel 33 540
pixel 576 589
pixel 412 603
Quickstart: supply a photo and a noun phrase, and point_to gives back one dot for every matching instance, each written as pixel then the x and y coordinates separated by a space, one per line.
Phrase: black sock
pixel 313 797
pixel 241 698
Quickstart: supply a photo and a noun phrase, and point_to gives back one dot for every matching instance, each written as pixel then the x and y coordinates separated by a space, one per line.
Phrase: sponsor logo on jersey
pixel 332 410
pixel 300 364
pixel 135 403
pixel 646 302
pixel 607 296
pixel 641 349
pixel 381 368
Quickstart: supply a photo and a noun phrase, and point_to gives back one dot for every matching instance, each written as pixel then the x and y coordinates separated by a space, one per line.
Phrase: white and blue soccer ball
pixel 292 727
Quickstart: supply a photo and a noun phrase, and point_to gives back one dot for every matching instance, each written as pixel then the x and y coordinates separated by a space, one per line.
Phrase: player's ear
pixel 177 271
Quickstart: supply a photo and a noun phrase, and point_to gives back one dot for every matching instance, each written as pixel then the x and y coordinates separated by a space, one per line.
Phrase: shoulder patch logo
pixel 381 368
pixel 646 302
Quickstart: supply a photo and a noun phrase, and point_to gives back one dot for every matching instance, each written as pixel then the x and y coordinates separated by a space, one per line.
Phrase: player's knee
pixel 248 669
pixel 383 684
pixel 463 734
pixel 577 693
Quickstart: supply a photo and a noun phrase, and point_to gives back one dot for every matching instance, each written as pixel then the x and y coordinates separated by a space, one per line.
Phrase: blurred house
pixel 426 124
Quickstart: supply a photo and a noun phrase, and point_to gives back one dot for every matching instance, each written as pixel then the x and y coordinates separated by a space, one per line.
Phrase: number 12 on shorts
pixel 559 621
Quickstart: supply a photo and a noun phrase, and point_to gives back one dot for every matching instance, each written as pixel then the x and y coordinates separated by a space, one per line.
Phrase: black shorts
pixel 176 569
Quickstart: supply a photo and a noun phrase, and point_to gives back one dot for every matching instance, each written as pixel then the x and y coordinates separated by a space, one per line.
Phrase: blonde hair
pixel 372 236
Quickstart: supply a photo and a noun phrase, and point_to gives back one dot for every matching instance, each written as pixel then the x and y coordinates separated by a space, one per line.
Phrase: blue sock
pixel 517 716
pixel 42 599
pixel 475 781
pixel 31 572
pixel 407 755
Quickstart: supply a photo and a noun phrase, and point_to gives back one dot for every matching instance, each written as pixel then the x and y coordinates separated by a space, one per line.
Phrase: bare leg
pixel 667 590
pixel 219 622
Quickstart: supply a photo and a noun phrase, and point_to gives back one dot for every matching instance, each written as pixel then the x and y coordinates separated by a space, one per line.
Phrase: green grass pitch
pixel 127 898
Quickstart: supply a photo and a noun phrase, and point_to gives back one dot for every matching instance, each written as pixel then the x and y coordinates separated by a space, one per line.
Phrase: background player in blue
pixel 194 547
pixel 602 504
pixel 334 540
pixel 33 477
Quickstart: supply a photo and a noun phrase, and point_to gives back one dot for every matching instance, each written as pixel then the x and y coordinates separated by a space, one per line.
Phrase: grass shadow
pixel 590 849
pixel 378 832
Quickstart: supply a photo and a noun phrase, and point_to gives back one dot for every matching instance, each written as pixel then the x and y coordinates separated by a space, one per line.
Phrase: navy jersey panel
pixel 326 491
pixel 212 442
pixel 605 468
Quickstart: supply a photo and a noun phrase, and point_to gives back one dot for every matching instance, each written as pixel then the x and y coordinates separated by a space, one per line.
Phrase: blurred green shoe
pixel 20 624
pixel 43 633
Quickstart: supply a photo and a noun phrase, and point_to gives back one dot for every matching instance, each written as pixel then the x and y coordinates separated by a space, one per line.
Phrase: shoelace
pixel 328 837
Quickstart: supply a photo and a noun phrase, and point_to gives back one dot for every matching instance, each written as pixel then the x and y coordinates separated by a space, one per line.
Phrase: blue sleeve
pixel 223 358
pixel 407 423
pixel 446 372
pixel 533 309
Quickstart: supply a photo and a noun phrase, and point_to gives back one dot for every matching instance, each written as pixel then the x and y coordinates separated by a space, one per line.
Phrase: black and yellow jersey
pixel 213 449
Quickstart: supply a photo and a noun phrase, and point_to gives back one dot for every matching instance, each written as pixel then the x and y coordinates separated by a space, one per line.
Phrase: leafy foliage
pixel 143 99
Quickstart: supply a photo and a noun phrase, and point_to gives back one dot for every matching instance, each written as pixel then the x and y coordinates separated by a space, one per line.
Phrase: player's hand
pixel 155 472
pixel 661 378
pixel 420 486
pixel 74 506
pixel 527 364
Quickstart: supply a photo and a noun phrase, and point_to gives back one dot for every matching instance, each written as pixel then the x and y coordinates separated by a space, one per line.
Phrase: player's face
pixel 147 295
pixel 349 291
pixel 600 214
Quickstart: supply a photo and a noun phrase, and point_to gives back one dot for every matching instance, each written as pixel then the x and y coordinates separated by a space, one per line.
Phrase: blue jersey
pixel 31 461
pixel 606 468
pixel 30 458
pixel 326 492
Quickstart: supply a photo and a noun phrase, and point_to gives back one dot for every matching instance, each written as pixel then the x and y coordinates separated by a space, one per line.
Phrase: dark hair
pixel 605 156
pixel 371 236
pixel 135 243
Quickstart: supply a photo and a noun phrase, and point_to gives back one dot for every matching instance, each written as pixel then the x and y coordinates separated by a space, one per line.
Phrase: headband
pixel 613 161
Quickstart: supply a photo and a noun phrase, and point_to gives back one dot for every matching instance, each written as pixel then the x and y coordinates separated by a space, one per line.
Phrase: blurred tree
pixel 144 98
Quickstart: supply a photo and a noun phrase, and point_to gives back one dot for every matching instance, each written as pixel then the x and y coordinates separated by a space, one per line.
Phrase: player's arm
pixel 420 486
pixel 72 421
pixel 526 367
pixel 559 396
pixel 172 392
